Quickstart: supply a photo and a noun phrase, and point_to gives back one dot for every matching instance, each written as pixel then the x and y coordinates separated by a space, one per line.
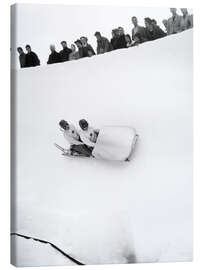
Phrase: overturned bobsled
pixel 115 143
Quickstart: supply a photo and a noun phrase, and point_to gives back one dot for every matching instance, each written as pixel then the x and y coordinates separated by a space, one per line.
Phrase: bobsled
pixel 114 143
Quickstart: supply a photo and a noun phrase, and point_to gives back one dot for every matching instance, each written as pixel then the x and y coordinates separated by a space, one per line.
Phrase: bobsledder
pixel 112 143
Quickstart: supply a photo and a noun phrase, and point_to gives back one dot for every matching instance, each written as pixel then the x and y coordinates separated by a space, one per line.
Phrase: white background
pixel 198 134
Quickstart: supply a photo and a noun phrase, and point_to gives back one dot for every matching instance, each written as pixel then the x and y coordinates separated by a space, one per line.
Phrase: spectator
pixel 22 57
pixel 74 55
pixel 165 23
pixel 185 21
pixel 114 39
pixel 174 22
pixel 121 39
pixel 138 32
pixel 103 45
pixel 86 47
pixel 154 22
pixel 65 52
pixel 54 57
pixel 80 48
pixel 31 59
pixel 153 31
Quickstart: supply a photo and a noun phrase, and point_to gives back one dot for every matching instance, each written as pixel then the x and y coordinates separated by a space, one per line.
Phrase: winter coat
pixel 114 41
pixel 31 60
pixel 174 25
pixel 85 50
pixel 65 54
pixel 185 22
pixel 22 60
pixel 156 33
pixel 139 34
pixel 118 42
pixel 103 45
pixel 54 57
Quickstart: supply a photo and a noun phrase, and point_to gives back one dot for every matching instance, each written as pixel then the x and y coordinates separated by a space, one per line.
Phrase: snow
pixel 108 212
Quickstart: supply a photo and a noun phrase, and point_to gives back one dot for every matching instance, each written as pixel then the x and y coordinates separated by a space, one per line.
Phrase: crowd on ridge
pixel 81 48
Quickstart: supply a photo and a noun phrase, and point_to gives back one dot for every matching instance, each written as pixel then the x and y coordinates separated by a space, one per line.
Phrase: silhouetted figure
pixel 65 52
pixel 54 57
pixel 186 20
pixel 22 57
pixel 31 59
pixel 103 45
pixel 174 22
pixel 114 39
pixel 153 31
pixel 121 43
pixel 86 47
pixel 138 32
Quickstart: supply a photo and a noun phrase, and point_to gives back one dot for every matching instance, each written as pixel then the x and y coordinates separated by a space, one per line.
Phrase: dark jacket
pixel 65 54
pixel 121 43
pixel 114 42
pixel 118 42
pixel 85 50
pixel 54 57
pixel 156 33
pixel 31 60
pixel 103 45
pixel 139 35
pixel 22 60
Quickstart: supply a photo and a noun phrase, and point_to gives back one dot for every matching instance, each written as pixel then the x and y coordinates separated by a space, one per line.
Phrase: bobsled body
pixel 115 143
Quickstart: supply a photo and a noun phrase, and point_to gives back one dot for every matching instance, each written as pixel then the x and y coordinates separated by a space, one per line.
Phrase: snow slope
pixel 107 212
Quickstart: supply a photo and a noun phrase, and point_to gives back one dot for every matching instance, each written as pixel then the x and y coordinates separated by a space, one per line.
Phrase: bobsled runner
pixel 115 143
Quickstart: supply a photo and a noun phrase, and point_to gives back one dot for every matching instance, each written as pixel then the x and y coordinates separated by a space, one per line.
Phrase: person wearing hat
pixel 65 52
pixel 103 45
pixel 88 134
pixel 72 136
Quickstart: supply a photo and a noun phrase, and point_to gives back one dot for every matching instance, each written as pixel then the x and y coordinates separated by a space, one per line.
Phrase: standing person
pixel 138 32
pixel 103 45
pixel 22 57
pixel 78 43
pixel 114 39
pixel 86 47
pixel 174 22
pixel 31 59
pixel 64 53
pixel 121 39
pixel 74 55
pixel 54 57
pixel 88 134
pixel 185 21
pixel 72 136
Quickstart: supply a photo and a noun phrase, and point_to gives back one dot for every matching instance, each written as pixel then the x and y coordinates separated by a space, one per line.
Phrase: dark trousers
pixel 82 149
